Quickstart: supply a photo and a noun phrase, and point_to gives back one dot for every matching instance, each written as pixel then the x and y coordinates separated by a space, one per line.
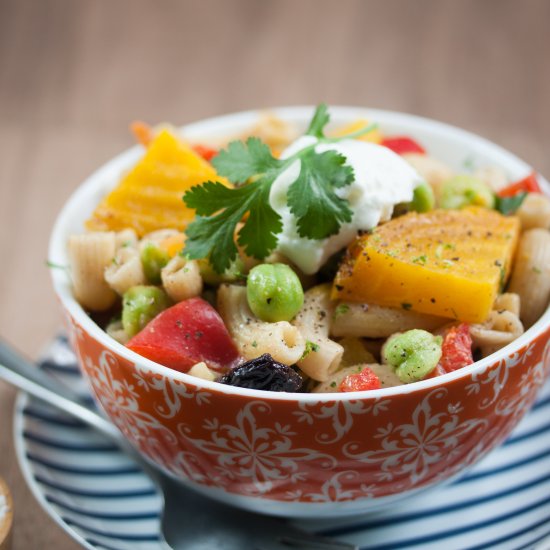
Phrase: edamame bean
pixel 413 354
pixel 464 190
pixel 423 198
pixel 235 272
pixel 153 260
pixel 140 304
pixel 274 292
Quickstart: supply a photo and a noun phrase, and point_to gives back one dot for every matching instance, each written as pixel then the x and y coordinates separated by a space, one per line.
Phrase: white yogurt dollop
pixel 382 180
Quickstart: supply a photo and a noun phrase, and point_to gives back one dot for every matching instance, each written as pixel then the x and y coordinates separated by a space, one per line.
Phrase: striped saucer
pixel 102 499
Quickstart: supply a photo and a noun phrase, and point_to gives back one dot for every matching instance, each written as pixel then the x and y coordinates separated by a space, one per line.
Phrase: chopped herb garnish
pixel 310 346
pixel 537 270
pixel 502 278
pixel 509 205
pixel 312 197
pixel 333 384
pixel 341 309
pixel 53 265
pixel 422 260
pixel 254 344
pixel 406 306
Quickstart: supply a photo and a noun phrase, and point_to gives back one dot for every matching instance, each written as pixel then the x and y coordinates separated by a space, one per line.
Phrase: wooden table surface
pixel 73 73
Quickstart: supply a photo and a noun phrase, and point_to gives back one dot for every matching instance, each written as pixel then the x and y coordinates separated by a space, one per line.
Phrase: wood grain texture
pixel 73 73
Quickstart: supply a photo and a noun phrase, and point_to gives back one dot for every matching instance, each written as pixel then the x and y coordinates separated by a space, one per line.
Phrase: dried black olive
pixel 263 373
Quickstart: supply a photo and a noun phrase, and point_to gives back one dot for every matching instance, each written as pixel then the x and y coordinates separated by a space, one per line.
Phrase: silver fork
pixel 189 521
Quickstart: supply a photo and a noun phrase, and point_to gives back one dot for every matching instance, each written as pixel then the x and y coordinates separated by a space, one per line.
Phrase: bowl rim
pixel 193 130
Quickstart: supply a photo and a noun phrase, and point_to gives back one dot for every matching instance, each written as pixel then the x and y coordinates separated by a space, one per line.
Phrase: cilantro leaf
pixel 209 197
pixel 319 121
pixel 311 198
pixel 240 161
pixel 213 237
pixel 258 236
pixel 508 205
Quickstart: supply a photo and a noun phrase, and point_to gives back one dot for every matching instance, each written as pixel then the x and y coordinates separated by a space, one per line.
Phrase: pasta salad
pixel 340 260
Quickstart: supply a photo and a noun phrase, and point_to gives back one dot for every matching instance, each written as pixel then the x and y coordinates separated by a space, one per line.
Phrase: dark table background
pixel 74 73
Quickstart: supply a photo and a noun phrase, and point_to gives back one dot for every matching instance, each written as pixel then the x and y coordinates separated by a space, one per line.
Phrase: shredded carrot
pixel 142 132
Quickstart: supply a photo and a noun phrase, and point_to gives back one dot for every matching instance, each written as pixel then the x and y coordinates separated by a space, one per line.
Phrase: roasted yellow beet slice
pixel 149 197
pixel 449 263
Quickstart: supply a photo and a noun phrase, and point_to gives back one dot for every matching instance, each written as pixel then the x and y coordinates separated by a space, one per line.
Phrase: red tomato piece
pixel 185 334
pixel 402 145
pixel 456 350
pixel 205 152
pixel 528 184
pixel 364 380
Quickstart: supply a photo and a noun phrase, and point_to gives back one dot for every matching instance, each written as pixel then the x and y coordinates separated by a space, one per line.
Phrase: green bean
pixel 140 304
pixel 153 260
pixel 274 292
pixel 413 354
pixel 464 190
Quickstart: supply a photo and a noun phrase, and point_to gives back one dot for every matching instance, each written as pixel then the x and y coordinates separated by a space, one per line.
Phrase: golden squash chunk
pixel 149 197
pixel 449 263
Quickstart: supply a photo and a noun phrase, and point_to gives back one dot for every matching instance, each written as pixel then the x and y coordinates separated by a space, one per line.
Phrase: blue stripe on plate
pixel 527 435
pixel 474 476
pixel 72 370
pixel 95 494
pixel 136 516
pixel 54 419
pixel 507 493
pixel 434 512
pixel 540 538
pixel 515 535
pixel 113 535
pixel 541 404
pixel 64 445
pixel 83 471
pixel 407 543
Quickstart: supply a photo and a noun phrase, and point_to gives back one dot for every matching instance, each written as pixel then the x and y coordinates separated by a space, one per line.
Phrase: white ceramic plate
pixel 104 501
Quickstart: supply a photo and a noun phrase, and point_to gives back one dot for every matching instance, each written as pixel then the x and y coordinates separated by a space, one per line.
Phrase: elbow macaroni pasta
pixel 181 278
pixel 125 271
pixel 314 321
pixel 253 337
pixel 531 274
pixel 89 255
pixel 372 321
pixel 201 370
pixel 534 212
pixel 502 327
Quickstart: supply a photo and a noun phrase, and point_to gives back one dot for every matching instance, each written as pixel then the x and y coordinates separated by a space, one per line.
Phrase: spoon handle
pixel 21 373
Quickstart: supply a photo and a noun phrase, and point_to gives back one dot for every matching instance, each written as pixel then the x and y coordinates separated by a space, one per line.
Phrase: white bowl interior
pixel 451 145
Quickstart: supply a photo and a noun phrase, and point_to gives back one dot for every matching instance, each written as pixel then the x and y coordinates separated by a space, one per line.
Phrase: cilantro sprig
pixel 252 168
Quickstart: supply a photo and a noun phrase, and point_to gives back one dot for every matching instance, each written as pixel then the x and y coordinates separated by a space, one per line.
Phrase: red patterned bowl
pixel 306 454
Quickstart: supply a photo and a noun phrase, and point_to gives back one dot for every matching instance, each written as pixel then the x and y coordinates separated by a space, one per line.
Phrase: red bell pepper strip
pixel 364 380
pixel 402 145
pixel 528 185
pixel 456 350
pixel 205 152
pixel 185 334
